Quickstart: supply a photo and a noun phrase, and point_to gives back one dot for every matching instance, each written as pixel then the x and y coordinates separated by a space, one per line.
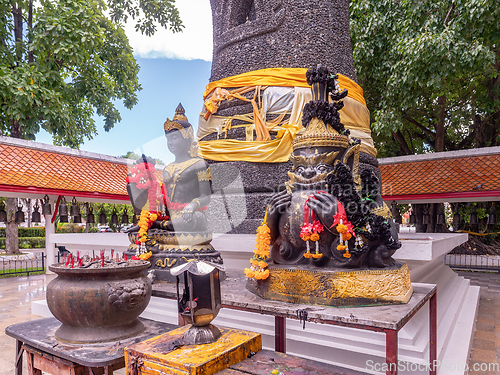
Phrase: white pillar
pixel 49 242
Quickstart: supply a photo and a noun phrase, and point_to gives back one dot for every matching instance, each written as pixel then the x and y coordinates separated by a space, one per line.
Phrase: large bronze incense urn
pixel 99 304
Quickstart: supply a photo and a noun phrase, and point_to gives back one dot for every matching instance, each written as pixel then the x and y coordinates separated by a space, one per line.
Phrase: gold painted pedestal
pixel 155 356
pixel 335 287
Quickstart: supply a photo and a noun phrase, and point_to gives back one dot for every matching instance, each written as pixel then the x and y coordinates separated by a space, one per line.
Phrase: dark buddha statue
pixel 328 238
pixel 177 233
pixel 329 215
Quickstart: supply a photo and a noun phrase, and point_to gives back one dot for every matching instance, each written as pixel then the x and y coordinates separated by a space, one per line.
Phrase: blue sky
pixel 175 68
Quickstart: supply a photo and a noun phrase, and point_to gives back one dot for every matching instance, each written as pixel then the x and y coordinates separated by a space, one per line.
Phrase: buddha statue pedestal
pixel 335 287
pixel 171 249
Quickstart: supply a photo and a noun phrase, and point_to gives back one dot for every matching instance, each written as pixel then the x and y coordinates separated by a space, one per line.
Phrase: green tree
pixel 62 61
pixel 430 72
pixel 133 156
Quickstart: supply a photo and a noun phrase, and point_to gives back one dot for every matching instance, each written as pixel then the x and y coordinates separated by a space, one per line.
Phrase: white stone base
pixel 353 348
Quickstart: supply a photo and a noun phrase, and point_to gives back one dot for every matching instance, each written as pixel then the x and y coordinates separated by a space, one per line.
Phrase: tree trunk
pixel 440 128
pixel 11 231
pixel 17 13
pixel 15 129
pixel 399 137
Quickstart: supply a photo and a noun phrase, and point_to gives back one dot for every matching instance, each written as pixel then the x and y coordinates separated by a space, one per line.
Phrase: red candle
pixel 102 258
pixel 112 253
pixel 72 261
pixel 93 255
pixel 125 256
pixel 65 261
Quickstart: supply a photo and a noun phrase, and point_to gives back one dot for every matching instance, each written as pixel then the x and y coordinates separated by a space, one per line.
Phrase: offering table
pixel 46 353
pixel 388 319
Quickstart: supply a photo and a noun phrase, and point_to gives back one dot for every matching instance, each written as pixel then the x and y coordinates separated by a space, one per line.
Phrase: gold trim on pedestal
pixel 335 287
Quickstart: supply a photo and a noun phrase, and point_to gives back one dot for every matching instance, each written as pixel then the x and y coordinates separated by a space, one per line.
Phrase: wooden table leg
pixel 391 352
pixel 19 358
pixel 280 334
pixel 433 334
pixel 31 366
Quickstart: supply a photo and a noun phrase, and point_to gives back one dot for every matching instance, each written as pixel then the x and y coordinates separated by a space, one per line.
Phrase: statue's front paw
pixel 132 229
pixel 285 250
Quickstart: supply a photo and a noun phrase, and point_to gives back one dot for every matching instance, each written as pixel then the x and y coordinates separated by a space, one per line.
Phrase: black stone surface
pixel 256 34
pixel 39 334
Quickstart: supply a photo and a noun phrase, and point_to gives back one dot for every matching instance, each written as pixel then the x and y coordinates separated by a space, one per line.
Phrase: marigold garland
pixel 344 228
pixel 258 269
pixel 146 256
pixel 311 231
pixel 146 220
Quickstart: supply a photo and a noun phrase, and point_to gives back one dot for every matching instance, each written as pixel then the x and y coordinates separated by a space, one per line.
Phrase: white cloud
pixel 194 42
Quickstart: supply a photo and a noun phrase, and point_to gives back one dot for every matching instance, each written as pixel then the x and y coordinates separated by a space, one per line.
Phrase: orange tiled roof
pixel 31 167
pixel 476 175
pixel 24 167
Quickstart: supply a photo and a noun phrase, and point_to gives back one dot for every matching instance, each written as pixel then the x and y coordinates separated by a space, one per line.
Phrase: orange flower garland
pixel 258 269
pixel 344 228
pixel 311 231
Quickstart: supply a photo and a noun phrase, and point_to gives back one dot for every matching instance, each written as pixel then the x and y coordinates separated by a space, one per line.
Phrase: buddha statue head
pixel 180 135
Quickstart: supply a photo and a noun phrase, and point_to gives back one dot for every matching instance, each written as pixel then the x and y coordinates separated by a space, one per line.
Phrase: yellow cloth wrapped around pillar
pixel 289 77
pixel 355 116
pixel 275 151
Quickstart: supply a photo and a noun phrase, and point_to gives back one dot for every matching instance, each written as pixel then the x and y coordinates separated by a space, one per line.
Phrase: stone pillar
pixel 257 34
pixel 49 242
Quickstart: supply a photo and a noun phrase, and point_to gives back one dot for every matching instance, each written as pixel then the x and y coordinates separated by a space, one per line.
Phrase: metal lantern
pixel 19 217
pixel 75 208
pixel 35 216
pixel 125 216
pixel 102 216
pixel 114 216
pixel 440 219
pixel 395 213
pixel 46 207
pixel 425 217
pixel 200 301
pixel 90 214
pixel 473 216
pixel 492 217
pixel 3 213
pixel 63 208
pixel 63 218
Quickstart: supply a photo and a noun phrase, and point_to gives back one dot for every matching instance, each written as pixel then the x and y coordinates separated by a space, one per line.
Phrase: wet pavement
pixel 485 352
pixel 16 294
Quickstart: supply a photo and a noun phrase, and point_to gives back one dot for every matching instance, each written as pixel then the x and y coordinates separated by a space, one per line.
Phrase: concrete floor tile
pixel 486 319
pixel 484 344
pixel 485 335
pixel 479 355
pixel 485 327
